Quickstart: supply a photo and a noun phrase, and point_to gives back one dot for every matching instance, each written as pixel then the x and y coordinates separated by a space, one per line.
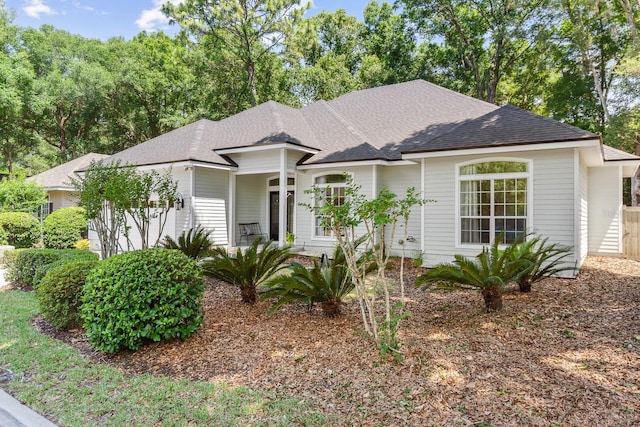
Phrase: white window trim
pixel 313 202
pixel 528 175
pixel 271 188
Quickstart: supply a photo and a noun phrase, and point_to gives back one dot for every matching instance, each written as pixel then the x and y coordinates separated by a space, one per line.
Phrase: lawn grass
pixel 66 387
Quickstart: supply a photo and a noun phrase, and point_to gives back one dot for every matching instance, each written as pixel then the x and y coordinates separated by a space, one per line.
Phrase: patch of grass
pixel 66 387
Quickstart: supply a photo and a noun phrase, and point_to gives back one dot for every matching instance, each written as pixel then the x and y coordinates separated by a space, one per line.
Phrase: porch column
pixel 231 209
pixel 282 199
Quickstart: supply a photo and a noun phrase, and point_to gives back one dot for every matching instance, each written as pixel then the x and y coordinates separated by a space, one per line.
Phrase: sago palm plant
pixel 326 283
pixel 248 269
pixel 194 243
pixel 546 260
pixel 490 272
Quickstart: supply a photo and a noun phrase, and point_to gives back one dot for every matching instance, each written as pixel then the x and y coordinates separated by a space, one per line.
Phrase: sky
pixel 103 19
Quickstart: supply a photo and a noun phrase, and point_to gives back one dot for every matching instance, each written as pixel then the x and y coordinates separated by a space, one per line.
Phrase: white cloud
pixel 35 8
pixel 151 19
pixel 81 6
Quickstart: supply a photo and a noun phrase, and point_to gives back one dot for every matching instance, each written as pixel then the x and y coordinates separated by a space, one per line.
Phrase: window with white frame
pixel 333 188
pixel 493 199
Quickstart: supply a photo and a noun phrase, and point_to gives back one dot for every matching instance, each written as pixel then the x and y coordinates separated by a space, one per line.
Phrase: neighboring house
pixel 56 181
pixel 488 168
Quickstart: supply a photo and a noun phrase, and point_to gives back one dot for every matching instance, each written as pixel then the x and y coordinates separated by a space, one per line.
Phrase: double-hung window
pixel 333 187
pixel 493 199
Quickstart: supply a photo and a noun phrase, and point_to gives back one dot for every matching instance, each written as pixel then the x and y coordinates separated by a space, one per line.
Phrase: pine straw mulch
pixel 568 354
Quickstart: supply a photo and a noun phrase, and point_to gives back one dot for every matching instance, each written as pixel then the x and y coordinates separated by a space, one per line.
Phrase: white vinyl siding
pixel 398 179
pixel 251 201
pixel 363 175
pixel 583 215
pixel 293 157
pixel 263 161
pixel 605 199
pixel 551 194
pixel 210 202
pixel 62 199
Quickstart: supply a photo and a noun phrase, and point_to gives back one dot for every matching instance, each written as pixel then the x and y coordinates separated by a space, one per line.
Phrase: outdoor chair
pixel 250 230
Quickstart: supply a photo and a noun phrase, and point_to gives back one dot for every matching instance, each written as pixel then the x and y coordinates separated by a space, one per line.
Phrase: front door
pixel 274 206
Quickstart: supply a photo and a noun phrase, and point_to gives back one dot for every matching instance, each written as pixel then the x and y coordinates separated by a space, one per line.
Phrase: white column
pixel 282 199
pixel 231 209
pixel 423 187
pixel 192 196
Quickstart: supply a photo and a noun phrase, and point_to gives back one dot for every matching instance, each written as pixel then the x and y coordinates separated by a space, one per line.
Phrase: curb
pixel 15 414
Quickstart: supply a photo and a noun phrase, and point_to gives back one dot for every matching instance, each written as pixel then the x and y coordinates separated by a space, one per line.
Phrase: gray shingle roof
pixel 613 154
pixel 58 177
pixel 372 124
pixel 503 126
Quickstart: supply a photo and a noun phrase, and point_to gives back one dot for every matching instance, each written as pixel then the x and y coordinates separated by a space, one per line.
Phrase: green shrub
pixel 27 263
pixel 150 294
pixel 195 243
pixel 67 256
pixel 60 291
pixel 64 227
pixel 22 229
pixel 3 237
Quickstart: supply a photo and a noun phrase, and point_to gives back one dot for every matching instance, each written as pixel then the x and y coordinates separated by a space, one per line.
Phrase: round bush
pixel 22 229
pixel 59 293
pixel 66 257
pixel 151 294
pixel 64 227
pixel 30 265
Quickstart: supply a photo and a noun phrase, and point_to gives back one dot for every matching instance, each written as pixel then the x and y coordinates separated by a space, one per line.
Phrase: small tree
pixel 115 194
pixel 379 218
pixel 20 195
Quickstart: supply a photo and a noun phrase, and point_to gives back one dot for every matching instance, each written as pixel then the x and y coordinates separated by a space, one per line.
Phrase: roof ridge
pixel 277 117
pixel 549 119
pixel 194 147
pixel 348 125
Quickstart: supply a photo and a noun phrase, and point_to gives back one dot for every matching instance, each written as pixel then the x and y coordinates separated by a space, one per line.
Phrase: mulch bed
pixel 568 353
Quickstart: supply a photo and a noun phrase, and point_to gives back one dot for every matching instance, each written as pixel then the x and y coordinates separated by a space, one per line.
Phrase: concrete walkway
pixel 12 412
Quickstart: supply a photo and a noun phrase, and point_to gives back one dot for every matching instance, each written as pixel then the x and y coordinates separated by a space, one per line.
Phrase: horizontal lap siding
pixel 305 219
pixel 583 205
pixel 211 197
pixel 605 200
pixel 552 210
pixel 398 179
pixel 251 200
pixel 267 161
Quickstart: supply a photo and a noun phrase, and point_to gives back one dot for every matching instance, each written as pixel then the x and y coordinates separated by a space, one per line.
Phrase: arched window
pixel 493 198
pixel 334 187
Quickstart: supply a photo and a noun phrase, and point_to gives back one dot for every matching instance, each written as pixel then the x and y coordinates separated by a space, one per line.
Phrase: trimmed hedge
pixel 60 291
pixel 30 265
pixel 150 294
pixel 68 256
pixel 22 229
pixel 64 227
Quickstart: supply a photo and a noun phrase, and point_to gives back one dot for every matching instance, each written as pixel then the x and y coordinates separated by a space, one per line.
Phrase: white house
pixel 488 168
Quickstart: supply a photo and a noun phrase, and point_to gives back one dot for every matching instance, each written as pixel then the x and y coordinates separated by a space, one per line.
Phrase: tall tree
pixel 247 29
pixel 482 39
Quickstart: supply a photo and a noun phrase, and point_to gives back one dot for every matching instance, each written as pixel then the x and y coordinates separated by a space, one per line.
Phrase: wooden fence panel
pixel 631 236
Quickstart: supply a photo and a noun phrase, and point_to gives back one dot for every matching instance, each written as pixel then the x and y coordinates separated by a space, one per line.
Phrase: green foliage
pixel 3 237
pixel 59 293
pixel 20 195
pixel 326 283
pixel 546 260
pixel 150 294
pixel 9 261
pixel 249 269
pixel 64 227
pixel 30 265
pixel 194 243
pixel 490 272
pixel 67 256
pixel 389 331
pixel 22 229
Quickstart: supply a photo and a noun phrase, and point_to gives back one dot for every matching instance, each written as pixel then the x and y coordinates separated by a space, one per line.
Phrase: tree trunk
pixel 251 80
pixel 248 294
pixel 492 298
pixel 331 308
pixel 524 285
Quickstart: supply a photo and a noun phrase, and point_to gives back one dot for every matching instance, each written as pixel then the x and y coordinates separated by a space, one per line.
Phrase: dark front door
pixel 274 206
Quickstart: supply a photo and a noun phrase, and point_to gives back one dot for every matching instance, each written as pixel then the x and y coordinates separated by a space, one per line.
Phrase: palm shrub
pixel 64 227
pixel 139 296
pixel 249 269
pixel 60 291
pixel 326 283
pixel 546 260
pixel 490 272
pixel 194 243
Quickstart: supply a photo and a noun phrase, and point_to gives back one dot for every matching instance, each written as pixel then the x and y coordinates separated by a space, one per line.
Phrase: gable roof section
pixel 614 155
pixel 504 126
pixel 58 177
